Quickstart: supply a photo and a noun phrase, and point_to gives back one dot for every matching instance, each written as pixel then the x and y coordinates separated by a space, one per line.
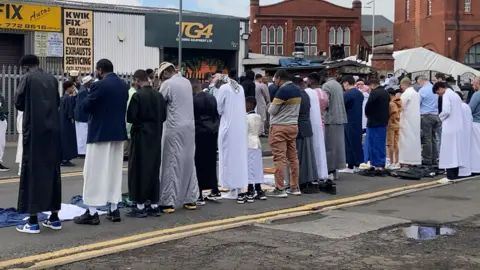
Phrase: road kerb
pixel 212 224
pixel 16 179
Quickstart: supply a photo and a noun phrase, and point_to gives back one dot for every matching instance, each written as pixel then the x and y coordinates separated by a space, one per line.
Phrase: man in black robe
pixel 248 84
pixel 67 124
pixel 40 185
pixel 146 112
pixel 207 122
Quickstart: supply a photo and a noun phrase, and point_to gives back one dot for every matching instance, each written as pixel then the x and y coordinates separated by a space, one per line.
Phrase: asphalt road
pixel 362 237
pixel 16 245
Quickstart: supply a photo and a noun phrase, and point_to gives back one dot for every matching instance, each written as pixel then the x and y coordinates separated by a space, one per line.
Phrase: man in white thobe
pixel 410 145
pixel 466 169
pixel 81 117
pixel 232 136
pixel 318 134
pixel 451 152
pixel 262 95
pixel 102 173
pixel 178 176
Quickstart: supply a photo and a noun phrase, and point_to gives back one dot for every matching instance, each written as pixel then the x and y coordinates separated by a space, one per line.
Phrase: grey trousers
pixel 430 125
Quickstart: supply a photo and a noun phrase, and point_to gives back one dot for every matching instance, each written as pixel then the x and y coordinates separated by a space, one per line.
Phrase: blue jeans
pixel 377 149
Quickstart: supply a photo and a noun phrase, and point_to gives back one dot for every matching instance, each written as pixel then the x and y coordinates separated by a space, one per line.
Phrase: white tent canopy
pixel 421 59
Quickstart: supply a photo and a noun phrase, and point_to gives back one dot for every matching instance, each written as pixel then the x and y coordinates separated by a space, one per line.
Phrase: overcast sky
pixel 241 7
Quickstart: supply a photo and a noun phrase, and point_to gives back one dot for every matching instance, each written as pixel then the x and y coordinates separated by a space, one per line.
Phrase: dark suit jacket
pixel 79 113
pixel 304 124
pixel 106 104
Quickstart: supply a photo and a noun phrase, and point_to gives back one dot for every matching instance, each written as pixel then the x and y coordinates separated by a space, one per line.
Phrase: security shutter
pixel 11 49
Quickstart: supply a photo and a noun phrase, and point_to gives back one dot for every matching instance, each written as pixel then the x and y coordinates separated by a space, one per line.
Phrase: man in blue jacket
pixel 106 104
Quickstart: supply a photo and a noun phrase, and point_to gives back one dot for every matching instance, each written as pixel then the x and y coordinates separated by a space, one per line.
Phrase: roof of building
pixel 381 22
pixel 381 39
pixel 121 8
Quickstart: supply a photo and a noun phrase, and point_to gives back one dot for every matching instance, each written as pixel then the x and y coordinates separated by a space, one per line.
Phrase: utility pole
pixel 373 22
pixel 180 36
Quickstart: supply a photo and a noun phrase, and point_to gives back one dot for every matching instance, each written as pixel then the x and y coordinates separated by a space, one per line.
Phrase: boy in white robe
pixel 451 153
pixel 255 162
pixel 410 145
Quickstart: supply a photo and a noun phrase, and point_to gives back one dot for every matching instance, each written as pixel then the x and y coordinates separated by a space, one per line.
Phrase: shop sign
pixel 78 40
pixel 198 32
pixel 30 17
pixel 48 44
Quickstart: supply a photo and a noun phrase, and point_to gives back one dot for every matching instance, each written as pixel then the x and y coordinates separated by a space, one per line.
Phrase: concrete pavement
pixel 20 245
pixel 361 237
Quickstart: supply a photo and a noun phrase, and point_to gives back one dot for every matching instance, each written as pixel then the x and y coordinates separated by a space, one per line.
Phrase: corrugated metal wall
pixel 129 55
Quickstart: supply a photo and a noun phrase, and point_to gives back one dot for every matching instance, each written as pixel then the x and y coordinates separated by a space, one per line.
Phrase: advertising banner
pixel 78 40
pixel 30 17
pixel 161 30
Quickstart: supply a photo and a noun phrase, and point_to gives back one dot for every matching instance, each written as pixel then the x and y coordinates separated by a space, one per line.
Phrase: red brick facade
pixel 382 60
pixel 315 17
pixel 432 24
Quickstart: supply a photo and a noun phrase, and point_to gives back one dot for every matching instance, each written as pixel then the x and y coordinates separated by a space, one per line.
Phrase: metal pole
pixel 373 26
pixel 180 36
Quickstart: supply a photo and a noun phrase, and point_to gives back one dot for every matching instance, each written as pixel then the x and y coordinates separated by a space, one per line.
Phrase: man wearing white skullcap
pixel 81 117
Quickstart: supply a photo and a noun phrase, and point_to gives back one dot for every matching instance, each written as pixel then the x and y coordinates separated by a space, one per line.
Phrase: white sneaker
pixel 444 181
pixel 347 170
pixel 330 177
pixel 356 169
pixel 396 166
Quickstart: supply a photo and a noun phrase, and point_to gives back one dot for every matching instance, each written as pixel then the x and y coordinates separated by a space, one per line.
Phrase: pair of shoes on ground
pixel 283 193
pixel 210 197
pixel 35 228
pixel 250 197
pixel 393 166
pixel 372 172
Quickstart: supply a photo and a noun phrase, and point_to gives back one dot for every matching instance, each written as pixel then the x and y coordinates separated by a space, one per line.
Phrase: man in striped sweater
pixel 284 112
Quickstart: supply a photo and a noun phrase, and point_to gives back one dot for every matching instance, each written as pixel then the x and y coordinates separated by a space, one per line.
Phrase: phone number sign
pixel 30 17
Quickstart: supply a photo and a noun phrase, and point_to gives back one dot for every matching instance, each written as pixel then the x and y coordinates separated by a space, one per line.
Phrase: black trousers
pixel 452 173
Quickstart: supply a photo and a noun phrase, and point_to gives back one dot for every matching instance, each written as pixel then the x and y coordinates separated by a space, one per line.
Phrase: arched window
pixel 313 35
pixel 306 35
pixel 331 36
pixel 472 57
pixel 346 41
pixel 280 35
pixel 468 6
pixel 264 35
pixel 407 10
pixel 271 35
pixel 298 34
pixel 429 7
pixel 339 36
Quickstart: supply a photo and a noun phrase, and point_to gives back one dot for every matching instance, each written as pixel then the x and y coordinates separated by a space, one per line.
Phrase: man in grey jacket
pixel 335 118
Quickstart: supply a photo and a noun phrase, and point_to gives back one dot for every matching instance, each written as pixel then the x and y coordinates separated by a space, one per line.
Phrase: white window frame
pixel 339 35
pixel 264 49
pixel 271 49
pixel 407 10
pixel 298 31
pixel 468 6
pixel 307 51
pixel 332 33
pixel 264 35
pixel 306 39
pixel 429 8
pixel 270 31
pixel 346 36
pixel 313 35
pixel 347 51
pixel 313 50
pixel 277 50
pixel 280 39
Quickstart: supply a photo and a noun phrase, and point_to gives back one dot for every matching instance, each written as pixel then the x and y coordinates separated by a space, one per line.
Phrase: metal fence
pixel 463 79
pixel 9 81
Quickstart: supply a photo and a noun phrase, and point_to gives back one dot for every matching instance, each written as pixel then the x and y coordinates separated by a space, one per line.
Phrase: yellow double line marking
pixel 64 175
pixel 74 254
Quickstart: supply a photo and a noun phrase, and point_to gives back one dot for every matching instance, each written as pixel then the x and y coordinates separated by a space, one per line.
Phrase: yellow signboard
pixel 30 17
pixel 78 40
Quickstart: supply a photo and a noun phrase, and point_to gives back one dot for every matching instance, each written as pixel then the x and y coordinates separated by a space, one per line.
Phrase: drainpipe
pixel 457 29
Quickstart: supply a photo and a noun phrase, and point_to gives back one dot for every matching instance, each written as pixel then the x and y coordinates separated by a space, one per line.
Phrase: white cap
pixel 87 79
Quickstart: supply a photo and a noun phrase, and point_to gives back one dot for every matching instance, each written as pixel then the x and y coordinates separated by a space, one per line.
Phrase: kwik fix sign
pixel 78 40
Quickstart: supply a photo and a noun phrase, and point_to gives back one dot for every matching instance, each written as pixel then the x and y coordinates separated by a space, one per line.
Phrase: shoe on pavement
pixel 3 168
pixel 87 219
pixel 214 196
pixel 137 213
pixel 277 193
pixel 201 201
pixel 347 170
pixel 261 196
pixel 114 216
pixel 294 191
pixel 54 225
pixel 30 229
pixel 167 209
pixel 242 198
pixel 328 186
pixel 152 212
pixel 250 197
pixel 190 206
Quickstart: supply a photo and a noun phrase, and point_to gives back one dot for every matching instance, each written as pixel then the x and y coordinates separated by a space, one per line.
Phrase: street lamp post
pixel 373 22
pixel 180 35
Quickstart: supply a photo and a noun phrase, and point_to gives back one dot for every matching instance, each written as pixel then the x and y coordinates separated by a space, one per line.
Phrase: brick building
pixel 317 23
pixel 448 27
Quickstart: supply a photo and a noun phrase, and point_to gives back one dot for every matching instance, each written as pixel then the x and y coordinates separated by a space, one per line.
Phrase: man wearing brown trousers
pixel 284 112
